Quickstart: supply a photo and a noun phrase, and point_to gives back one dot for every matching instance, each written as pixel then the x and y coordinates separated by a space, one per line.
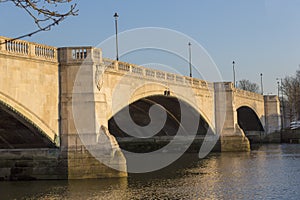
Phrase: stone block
pixel 4 173
pixel 235 143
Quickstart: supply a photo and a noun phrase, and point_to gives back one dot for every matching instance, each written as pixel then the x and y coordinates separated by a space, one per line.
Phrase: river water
pixel 270 172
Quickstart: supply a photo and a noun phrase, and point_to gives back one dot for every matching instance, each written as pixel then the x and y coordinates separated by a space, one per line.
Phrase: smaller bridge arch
pixel 251 117
pixel 250 123
pixel 248 119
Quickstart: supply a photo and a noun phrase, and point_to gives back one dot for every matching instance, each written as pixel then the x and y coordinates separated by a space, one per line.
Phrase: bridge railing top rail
pixel 140 71
pixel 248 94
pixel 27 49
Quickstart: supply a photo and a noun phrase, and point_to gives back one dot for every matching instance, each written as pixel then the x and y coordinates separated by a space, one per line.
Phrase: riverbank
pixel 284 136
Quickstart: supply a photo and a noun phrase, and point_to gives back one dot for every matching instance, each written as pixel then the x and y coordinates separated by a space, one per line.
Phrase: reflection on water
pixel 271 172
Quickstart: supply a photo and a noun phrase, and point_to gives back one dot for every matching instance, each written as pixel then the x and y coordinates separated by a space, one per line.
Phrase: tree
pixel 248 85
pixel 45 13
pixel 291 90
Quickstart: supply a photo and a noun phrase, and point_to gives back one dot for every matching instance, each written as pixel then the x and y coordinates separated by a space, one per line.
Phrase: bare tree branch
pixel 31 33
pixel 247 85
pixel 45 13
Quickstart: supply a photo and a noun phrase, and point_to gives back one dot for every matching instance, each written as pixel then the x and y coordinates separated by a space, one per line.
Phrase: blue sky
pixel 262 36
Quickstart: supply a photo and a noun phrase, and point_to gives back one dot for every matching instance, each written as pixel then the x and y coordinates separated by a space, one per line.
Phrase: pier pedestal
pixel 235 143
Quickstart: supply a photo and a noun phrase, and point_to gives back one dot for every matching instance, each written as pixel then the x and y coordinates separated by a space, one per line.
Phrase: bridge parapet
pixel 242 93
pixel 152 74
pixel 248 94
pixel 23 48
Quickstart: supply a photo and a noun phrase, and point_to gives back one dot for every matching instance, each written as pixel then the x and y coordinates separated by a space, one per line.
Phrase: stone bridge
pixel 63 98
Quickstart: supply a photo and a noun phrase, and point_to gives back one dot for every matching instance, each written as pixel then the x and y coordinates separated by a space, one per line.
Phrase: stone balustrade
pixel 23 48
pixel 79 55
pixel 242 93
pixel 248 94
pixel 135 70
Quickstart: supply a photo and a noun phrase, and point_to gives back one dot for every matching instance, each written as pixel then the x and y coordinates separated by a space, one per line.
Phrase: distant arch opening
pixel 250 123
pixel 17 132
pixel 139 113
pixel 248 120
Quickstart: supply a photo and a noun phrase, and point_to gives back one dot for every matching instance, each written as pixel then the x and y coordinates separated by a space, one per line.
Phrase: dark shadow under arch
pixel 139 112
pixel 17 132
pixel 248 120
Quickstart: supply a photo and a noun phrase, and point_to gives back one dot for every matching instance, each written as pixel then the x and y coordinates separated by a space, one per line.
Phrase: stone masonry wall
pixel 32 164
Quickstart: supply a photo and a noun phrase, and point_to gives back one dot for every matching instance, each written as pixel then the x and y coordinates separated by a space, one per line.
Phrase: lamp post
pixel 278 88
pixel 281 103
pixel 261 84
pixel 116 26
pixel 233 73
pixel 190 58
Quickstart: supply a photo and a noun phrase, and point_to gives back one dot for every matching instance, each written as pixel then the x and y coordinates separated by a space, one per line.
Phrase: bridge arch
pixel 248 120
pixel 21 128
pixel 159 89
pixel 139 113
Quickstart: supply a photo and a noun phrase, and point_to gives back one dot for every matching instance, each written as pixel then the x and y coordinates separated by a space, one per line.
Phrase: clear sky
pixel 261 36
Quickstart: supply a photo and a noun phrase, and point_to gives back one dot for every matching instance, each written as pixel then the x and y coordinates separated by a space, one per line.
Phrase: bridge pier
pixel 272 113
pixel 232 137
pixel 85 145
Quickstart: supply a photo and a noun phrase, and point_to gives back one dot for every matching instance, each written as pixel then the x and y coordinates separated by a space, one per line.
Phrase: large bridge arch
pixel 29 84
pixel 20 128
